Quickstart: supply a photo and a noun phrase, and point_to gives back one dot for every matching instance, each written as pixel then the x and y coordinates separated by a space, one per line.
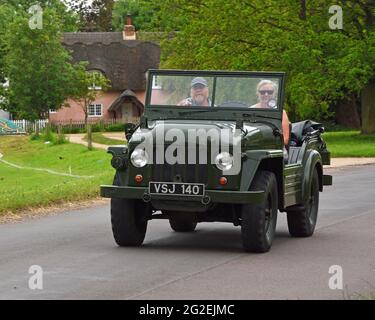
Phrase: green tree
pixel 140 11
pixel 67 17
pixel 37 66
pixel 146 15
pixel 87 87
pixel 9 9
pixel 95 16
pixel 5 14
pixel 324 66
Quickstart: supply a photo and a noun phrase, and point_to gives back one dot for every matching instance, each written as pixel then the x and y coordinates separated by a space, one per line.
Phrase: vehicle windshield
pixel 215 91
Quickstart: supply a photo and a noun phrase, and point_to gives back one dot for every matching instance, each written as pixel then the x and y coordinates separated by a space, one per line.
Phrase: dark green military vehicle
pixel 210 147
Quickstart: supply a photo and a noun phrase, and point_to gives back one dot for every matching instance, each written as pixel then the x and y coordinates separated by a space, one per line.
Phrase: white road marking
pixel 43 170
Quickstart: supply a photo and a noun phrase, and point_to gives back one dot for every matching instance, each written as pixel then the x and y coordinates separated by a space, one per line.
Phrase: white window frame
pixel 155 84
pixel 95 115
pixel 52 111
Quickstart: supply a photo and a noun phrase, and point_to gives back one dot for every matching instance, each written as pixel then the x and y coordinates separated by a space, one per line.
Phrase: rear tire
pixel 128 226
pixel 302 221
pixel 258 221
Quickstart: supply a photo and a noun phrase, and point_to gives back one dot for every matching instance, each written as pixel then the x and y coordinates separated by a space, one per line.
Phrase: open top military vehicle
pixel 210 147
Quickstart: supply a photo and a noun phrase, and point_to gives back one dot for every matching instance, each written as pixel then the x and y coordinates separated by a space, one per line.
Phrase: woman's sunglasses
pixel 263 92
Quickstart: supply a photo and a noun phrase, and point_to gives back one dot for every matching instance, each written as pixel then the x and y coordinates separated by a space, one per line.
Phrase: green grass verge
pixel 350 144
pixel 98 137
pixel 22 188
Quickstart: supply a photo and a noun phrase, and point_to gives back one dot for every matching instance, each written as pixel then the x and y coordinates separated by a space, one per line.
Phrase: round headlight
pixel 224 161
pixel 139 158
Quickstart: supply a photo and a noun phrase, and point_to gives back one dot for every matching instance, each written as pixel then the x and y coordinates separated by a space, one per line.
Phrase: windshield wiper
pixel 253 116
pixel 209 109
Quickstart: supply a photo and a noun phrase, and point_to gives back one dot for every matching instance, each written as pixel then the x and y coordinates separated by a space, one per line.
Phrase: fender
pixel 251 164
pixel 118 149
pixel 313 157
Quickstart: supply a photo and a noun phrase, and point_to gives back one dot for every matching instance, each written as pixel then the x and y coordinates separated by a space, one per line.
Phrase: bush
pixel 68 129
pixel 96 127
pixel 115 127
pixel 34 137
pixel 60 139
pixel 49 135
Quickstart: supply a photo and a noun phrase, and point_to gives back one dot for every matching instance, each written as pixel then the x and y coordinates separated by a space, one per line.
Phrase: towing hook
pixel 206 200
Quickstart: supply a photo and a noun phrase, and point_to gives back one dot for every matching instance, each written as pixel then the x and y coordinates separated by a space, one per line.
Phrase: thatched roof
pixel 123 62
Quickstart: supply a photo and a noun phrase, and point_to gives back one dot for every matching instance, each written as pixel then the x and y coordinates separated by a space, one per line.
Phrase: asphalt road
pixel 81 261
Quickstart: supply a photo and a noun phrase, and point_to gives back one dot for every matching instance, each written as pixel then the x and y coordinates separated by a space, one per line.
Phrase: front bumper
pixel 211 196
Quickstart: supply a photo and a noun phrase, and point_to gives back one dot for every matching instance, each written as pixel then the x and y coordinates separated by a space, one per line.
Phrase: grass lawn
pixel 20 188
pixel 350 144
pixel 98 137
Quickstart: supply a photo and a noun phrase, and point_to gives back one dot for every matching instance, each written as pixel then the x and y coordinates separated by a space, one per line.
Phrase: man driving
pixel 199 94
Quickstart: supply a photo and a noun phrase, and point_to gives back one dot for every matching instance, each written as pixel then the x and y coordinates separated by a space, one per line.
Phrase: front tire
pixel 302 220
pixel 128 226
pixel 182 221
pixel 182 225
pixel 258 221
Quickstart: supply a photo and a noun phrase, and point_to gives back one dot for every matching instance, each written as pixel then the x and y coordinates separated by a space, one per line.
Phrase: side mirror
pixel 129 130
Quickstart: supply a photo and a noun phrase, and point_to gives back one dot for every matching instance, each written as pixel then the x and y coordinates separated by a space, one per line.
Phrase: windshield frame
pixel 170 111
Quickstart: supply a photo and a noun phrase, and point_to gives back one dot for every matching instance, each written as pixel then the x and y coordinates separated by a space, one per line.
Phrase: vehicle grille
pixel 180 173
pixel 190 173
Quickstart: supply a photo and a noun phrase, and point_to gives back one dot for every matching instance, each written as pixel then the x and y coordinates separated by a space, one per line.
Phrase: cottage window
pixel 95 110
pixel 95 75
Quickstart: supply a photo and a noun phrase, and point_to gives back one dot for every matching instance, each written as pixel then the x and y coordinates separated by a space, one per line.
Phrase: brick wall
pixel 75 113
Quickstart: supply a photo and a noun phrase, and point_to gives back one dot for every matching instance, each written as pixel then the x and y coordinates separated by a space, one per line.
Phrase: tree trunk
pixel 368 108
pixel 347 113
pixel 48 129
pixel 89 137
pixel 86 116
pixel 60 132
pixel 302 12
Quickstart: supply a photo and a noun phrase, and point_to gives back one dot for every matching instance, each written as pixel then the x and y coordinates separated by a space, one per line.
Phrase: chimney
pixel 129 30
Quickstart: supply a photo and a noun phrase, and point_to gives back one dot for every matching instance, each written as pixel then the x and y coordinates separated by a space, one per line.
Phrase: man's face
pixel 199 93
pixel 265 93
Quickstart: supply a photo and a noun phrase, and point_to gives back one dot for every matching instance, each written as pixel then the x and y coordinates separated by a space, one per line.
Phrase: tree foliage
pixel 95 16
pixel 323 65
pixel 147 15
pixel 140 11
pixel 10 9
pixel 67 17
pixel 87 86
pixel 37 66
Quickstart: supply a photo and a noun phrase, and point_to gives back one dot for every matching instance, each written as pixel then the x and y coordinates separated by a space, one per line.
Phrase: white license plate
pixel 176 188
